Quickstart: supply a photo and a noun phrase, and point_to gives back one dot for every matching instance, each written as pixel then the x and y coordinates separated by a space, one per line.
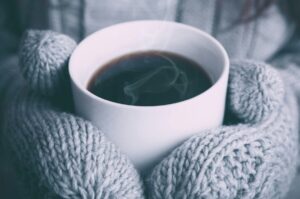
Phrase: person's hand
pixel 58 154
pixel 256 158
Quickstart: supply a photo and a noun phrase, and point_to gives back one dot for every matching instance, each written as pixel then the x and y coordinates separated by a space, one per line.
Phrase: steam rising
pixel 158 81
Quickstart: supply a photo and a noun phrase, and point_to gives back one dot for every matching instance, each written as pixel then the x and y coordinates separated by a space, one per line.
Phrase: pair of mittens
pixel 65 156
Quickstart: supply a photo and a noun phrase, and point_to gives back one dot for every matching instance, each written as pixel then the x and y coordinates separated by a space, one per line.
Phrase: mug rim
pixel 224 72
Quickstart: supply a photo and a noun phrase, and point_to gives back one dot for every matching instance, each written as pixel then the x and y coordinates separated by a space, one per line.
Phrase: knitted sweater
pixel 231 161
pixel 79 18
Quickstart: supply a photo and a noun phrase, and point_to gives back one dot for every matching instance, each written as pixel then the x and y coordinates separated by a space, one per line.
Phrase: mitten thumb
pixel 255 91
pixel 44 59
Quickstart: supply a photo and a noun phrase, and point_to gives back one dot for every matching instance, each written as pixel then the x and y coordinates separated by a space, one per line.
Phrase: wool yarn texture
pixel 255 159
pixel 60 155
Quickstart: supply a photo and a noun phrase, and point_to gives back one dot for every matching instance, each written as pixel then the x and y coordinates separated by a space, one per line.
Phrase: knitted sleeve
pixel 287 60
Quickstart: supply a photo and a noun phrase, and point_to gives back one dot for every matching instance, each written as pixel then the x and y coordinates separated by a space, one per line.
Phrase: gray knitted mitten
pixel 64 156
pixel 60 155
pixel 255 159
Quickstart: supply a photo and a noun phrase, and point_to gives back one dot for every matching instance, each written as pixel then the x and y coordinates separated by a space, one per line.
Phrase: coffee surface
pixel 149 78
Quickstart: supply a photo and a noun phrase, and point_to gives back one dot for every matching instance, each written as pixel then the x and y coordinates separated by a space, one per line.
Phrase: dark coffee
pixel 149 78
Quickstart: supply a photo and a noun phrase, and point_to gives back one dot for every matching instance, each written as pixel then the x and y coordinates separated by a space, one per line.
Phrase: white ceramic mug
pixel 147 133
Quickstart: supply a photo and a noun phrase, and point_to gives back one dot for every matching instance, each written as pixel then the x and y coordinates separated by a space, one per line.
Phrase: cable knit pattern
pixel 252 160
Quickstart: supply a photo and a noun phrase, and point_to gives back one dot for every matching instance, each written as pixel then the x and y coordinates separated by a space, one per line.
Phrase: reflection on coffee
pixel 149 78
